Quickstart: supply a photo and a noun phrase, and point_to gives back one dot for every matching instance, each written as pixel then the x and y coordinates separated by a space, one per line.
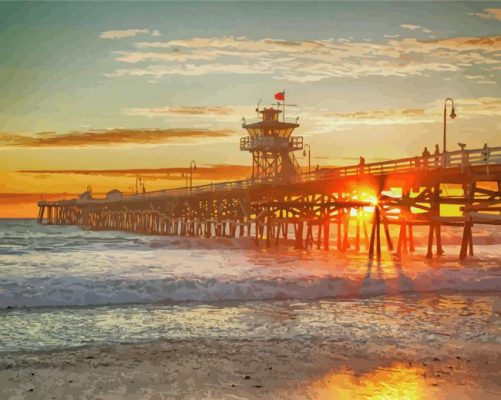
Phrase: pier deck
pixel 404 192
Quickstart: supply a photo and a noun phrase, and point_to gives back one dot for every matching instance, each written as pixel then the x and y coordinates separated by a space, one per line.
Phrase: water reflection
pixel 397 382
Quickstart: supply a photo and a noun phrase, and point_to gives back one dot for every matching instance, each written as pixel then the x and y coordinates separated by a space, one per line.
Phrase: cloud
pixel 120 34
pixel 17 198
pixel 379 117
pixel 308 60
pixel 137 57
pixel 466 108
pixel 108 137
pixel 158 71
pixel 474 77
pixel 213 112
pixel 489 13
pixel 410 27
pixel 415 27
pixel 215 173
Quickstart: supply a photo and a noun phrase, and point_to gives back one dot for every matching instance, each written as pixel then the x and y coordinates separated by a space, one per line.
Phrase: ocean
pixel 63 287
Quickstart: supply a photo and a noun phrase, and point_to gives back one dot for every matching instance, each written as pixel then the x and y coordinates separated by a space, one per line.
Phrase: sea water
pixel 66 287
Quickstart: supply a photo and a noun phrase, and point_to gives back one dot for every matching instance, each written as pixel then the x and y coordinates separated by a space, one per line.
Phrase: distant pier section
pixel 280 201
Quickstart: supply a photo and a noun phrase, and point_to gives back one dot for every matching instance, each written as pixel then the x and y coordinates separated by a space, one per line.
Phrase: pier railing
pixel 455 159
pixel 271 142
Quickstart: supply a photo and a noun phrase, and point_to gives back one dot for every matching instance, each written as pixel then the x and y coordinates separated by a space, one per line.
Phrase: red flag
pixel 280 96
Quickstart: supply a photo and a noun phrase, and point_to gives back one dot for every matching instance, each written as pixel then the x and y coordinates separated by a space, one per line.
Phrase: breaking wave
pixel 61 266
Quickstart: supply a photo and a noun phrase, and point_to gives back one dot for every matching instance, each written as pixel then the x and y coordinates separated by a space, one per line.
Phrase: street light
pixel 193 165
pixel 452 116
pixel 309 156
pixel 138 181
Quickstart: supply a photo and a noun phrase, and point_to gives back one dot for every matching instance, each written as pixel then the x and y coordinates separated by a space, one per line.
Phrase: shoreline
pixel 235 302
pixel 253 369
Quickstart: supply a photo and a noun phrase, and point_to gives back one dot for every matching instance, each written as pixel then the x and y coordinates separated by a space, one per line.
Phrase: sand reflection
pixel 396 382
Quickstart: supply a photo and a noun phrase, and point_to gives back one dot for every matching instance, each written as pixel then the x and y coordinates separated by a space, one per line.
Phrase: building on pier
pixel 272 146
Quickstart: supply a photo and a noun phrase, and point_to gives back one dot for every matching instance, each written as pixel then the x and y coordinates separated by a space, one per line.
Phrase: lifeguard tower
pixel 272 147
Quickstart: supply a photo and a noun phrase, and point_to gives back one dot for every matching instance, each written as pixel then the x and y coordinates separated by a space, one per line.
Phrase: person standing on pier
pixel 426 157
pixel 361 166
pixel 486 153
pixel 437 156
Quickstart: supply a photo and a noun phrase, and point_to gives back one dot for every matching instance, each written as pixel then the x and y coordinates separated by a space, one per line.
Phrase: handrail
pixel 459 158
pixel 454 159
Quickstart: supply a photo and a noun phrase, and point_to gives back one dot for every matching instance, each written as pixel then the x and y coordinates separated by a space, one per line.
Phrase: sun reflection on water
pixel 397 382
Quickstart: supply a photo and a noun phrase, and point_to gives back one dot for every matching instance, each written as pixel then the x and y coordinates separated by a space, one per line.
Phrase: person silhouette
pixel 361 165
pixel 426 157
pixel 437 156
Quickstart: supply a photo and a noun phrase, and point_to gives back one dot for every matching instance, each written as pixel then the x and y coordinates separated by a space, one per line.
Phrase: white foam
pixel 57 266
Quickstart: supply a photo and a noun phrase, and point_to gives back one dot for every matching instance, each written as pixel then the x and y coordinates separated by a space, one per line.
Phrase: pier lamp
pixel 309 156
pixel 138 183
pixel 193 165
pixel 452 116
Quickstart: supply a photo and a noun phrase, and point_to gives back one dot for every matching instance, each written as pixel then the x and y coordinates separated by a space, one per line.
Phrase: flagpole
pixel 283 107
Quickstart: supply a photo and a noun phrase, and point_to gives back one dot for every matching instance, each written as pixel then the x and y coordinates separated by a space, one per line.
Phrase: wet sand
pixel 250 369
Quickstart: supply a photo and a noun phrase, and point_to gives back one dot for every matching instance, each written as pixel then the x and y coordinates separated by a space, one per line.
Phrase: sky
pixel 99 93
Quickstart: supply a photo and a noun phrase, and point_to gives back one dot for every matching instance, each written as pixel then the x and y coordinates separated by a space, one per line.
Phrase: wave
pixel 64 266
pixel 40 292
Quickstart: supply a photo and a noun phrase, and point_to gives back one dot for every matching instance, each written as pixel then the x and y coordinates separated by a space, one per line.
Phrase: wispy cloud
pixel 182 110
pixel 489 13
pixel 108 137
pixel 415 27
pixel 215 113
pixel 467 108
pixel 310 60
pixel 211 172
pixel 124 33
pixel 16 198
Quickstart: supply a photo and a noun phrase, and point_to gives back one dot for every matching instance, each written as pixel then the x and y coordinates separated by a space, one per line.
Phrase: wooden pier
pixel 279 202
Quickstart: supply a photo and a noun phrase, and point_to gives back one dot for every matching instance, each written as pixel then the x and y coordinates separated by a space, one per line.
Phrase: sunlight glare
pixel 397 382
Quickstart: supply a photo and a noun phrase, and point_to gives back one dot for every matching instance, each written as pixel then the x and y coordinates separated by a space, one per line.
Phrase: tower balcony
pixel 271 143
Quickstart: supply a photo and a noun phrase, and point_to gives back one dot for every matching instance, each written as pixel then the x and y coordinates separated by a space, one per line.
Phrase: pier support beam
pixel 375 235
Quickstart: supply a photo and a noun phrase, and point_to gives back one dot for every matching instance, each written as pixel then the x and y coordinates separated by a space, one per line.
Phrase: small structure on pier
pixel 114 195
pixel 87 195
pixel 272 147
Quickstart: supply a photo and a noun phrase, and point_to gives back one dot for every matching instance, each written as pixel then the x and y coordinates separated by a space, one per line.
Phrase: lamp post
pixel 138 182
pixel 309 156
pixel 452 116
pixel 193 165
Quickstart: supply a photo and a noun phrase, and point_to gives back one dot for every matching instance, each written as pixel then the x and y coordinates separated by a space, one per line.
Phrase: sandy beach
pixel 249 369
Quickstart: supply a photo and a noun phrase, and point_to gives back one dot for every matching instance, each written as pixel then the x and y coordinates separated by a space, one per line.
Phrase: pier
pixel 279 202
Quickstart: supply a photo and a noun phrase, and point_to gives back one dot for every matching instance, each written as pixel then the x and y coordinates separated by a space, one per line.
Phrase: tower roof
pixel 270 125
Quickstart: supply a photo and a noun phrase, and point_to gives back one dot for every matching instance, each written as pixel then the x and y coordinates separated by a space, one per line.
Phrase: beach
pixel 249 369
pixel 112 315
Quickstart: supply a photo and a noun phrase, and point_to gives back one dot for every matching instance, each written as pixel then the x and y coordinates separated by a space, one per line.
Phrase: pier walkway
pixel 404 192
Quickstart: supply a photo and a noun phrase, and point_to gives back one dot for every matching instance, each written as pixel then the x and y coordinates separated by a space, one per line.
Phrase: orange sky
pixel 101 95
